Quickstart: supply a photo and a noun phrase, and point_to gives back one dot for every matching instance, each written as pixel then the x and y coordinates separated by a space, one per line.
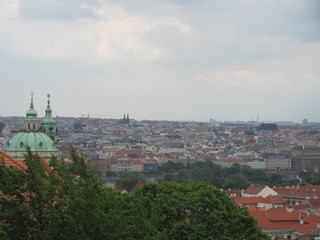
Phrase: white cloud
pixel 311 78
pixel 122 35
pixel 9 9
pixel 114 35
pixel 163 58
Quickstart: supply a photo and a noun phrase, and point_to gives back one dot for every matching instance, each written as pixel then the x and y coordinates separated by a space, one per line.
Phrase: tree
pixel 193 211
pixel 235 168
pixel 29 206
pixel 127 180
pixel 276 179
pixel 66 203
pixel 236 181
pixel 201 174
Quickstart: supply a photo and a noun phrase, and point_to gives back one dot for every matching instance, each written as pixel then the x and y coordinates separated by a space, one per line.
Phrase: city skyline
pixel 165 60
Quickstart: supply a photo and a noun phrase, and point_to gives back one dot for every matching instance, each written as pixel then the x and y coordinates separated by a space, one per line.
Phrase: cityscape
pixel 159 120
pixel 270 168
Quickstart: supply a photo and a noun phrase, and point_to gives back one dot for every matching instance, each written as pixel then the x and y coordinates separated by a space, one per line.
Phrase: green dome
pixel 37 141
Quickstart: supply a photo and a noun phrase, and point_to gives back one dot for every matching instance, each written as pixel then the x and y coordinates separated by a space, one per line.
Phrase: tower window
pixel 40 144
pixel 34 126
pixel 21 144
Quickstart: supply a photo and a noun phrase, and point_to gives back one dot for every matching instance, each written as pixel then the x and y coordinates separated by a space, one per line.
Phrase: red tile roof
pixel 299 191
pixel 230 160
pixel 280 219
pixel 281 214
pixel 19 164
pixel 234 193
pixel 255 189
pixel 314 203
pixel 9 161
pixel 256 200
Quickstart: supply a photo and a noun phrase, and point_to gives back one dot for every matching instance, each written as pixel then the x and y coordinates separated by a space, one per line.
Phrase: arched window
pixel 34 126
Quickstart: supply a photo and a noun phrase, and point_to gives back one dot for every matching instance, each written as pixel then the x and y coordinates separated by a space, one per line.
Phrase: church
pixel 40 136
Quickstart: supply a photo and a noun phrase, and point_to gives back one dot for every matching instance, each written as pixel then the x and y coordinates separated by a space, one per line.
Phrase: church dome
pixel 37 141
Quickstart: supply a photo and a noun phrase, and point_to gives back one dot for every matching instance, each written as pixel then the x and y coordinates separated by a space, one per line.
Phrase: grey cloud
pixel 54 9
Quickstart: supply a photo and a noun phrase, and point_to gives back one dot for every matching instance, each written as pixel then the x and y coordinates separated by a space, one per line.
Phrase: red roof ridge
pixel 9 161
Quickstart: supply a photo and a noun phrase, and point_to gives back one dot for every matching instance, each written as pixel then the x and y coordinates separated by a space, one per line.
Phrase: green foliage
pixel 235 181
pixel 235 177
pixel 69 202
pixel 313 179
pixel 195 211
pixel 127 180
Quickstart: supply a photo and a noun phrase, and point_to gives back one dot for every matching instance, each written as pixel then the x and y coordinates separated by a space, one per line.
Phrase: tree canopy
pixel 69 202
pixel 234 177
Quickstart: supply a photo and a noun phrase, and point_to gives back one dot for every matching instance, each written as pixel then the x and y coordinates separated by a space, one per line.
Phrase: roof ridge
pixel 13 160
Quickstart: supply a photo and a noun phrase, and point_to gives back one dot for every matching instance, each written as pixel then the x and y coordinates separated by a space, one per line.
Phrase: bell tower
pixel 31 121
pixel 49 124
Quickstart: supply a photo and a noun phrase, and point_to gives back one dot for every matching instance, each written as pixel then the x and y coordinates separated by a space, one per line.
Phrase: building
pixel 35 135
pixel 259 191
pixel 268 126
pixel 306 157
pixel 276 162
pixel 285 222
pixel 48 124
pixel 256 163
pixel 228 162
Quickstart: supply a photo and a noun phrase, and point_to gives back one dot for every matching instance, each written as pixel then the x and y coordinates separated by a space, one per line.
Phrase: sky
pixel 180 60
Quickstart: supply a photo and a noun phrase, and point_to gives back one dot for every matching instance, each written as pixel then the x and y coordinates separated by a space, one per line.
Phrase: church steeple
pixel 31 121
pixel 48 123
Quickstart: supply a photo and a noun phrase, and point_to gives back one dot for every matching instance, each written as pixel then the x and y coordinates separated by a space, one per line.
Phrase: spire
pixel 31 113
pixel 31 103
pixel 31 121
pixel 48 123
pixel 48 110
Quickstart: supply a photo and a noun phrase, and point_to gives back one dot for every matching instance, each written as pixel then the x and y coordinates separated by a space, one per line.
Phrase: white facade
pixel 257 164
pixel 264 192
pixel 278 162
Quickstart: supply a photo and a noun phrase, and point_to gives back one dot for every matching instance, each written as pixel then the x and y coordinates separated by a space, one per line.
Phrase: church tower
pixel 31 121
pixel 33 136
pixel 48 123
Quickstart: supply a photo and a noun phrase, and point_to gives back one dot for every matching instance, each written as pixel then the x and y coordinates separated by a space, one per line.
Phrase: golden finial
pixel 32 93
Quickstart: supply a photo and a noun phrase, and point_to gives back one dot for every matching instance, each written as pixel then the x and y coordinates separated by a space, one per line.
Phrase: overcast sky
pixel 162 59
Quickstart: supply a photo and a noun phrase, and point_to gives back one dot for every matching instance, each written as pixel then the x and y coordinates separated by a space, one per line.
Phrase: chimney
pixel 301 221
pixel 289 208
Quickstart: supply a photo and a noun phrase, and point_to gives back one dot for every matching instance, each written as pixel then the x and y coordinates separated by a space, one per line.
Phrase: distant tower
pixel 49 124
pixel 128 120
pixel 31 121
pixel 305 122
